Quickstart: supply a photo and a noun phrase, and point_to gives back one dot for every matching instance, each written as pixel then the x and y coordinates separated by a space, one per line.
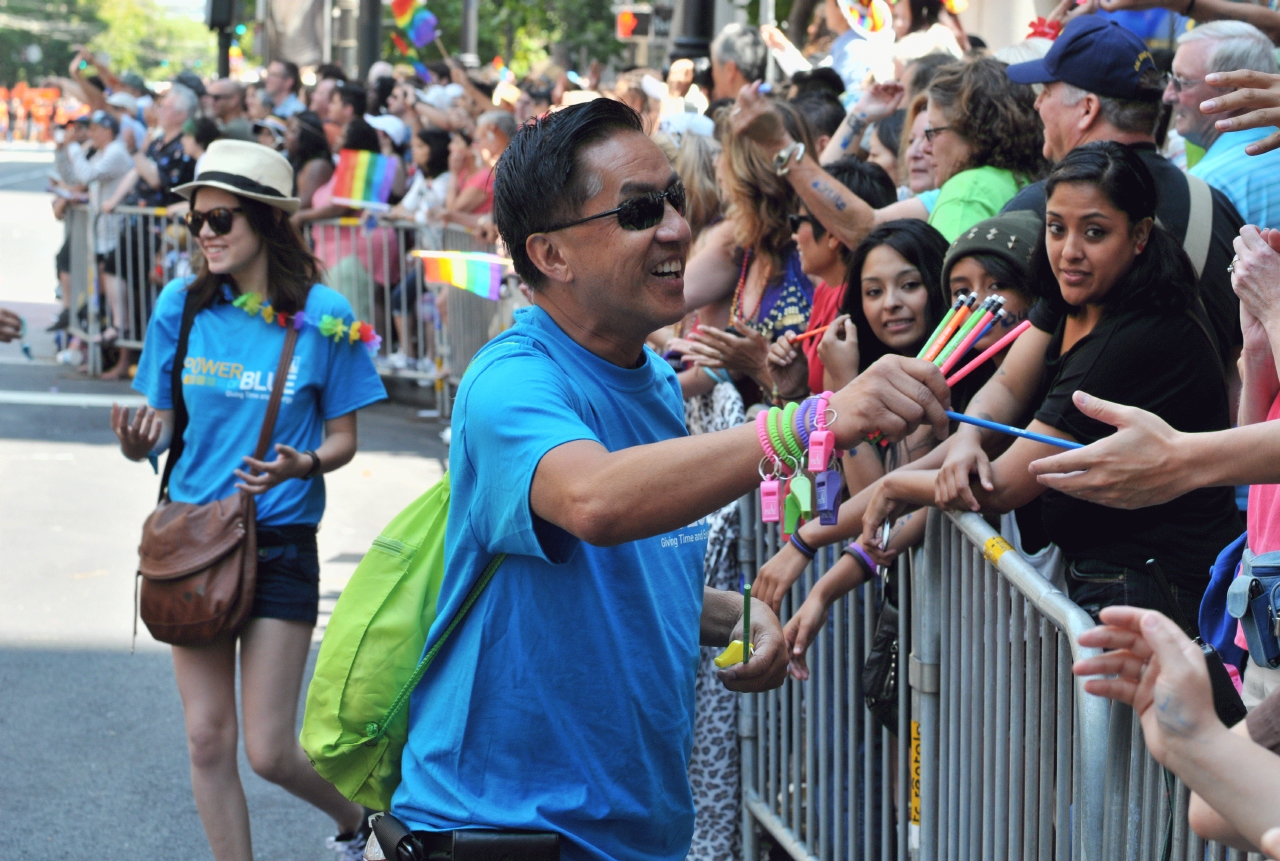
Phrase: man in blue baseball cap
pixel 1100 83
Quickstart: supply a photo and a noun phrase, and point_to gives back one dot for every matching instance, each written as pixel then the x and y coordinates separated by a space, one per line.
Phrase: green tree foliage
pixel 525 33
pixel 137 35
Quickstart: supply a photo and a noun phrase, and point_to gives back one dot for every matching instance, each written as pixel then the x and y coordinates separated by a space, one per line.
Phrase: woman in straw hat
pixel 257 276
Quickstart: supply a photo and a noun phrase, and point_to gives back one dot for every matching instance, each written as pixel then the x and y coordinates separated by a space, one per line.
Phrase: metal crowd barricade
pixel 368 260
pixel 1005 755
pixel 819 774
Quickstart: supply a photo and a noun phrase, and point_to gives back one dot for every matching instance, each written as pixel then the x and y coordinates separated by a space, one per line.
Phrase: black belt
pixel 483 845
pixel 398 844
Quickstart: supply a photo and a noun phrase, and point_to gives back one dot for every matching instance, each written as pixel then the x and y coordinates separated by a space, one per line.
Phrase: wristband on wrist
pixel 315 465
pixel 787 420
pixel 855 548
pixel 766 444
pixel 802 420
pixel 775 438
pixel 803 546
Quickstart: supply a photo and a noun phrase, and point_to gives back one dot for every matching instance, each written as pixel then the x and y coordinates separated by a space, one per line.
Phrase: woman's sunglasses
pixel 638 213
pixel 796 220
pixel 220 220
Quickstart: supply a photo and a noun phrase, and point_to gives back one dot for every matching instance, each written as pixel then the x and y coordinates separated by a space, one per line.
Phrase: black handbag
pixel 880 671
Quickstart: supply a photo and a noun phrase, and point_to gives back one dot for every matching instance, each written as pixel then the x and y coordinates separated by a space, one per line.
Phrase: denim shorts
pixel 288 584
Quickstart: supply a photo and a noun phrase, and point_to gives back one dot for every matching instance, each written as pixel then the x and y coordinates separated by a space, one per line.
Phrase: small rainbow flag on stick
pixel 363 179
pixel 473 271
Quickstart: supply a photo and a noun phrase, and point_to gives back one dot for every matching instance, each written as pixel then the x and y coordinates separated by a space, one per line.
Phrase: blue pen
pixel 765 88
pixel 1012 431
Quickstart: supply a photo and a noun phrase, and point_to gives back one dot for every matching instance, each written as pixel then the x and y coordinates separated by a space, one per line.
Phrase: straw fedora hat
pixel 248 170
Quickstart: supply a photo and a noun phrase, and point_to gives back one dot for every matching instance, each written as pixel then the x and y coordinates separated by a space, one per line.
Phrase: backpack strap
pixel 375 731
pixel 1199 223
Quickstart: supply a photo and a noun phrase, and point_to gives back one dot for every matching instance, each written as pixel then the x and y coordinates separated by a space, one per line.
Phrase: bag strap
pixel 375 731
pixel 1199 223
pixel 277 393
pixel 180 417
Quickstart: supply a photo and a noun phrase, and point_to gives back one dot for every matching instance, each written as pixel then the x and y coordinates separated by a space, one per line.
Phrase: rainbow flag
pixel 363 179
pixel 473 271
pixel 402 11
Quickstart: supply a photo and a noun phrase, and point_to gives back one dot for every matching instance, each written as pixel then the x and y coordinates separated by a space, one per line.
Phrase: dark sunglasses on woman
pixel 220 220
pixel 638 213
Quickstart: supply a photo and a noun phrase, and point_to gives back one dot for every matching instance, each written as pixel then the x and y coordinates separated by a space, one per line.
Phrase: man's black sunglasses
pixel 220 220
pixel 638 213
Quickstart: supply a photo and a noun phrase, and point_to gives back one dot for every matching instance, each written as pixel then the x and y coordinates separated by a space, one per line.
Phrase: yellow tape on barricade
pixel 995 547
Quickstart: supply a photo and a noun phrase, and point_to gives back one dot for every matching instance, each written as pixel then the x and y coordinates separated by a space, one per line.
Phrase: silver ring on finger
pixel 1231 267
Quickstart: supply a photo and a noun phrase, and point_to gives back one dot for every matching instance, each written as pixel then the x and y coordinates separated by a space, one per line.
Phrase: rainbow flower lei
pixel 328 326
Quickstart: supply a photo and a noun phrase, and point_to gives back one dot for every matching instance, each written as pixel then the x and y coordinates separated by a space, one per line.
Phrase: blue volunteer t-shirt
pixel 226 383
pixel 564 701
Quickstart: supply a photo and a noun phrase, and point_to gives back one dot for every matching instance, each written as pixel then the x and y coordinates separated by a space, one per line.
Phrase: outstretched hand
pixel 289 463
pixel 1132 468
pixel 894 396
pixel 754 117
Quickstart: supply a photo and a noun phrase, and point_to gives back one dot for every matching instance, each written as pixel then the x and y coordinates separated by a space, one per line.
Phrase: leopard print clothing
pixel 713 767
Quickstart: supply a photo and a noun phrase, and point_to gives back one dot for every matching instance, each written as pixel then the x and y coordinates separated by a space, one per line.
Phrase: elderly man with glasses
pixel 1252 184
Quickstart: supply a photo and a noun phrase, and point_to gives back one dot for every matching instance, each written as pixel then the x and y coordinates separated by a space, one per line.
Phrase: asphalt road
pixel 93 759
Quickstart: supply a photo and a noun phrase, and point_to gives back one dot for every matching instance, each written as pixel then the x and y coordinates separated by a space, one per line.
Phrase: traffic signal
pixel 633 22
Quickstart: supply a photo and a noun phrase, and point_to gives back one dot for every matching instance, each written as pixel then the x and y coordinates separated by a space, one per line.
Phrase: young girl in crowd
pixel 250 248
pixel 894 300
pixel 989 259
pixel 1129 334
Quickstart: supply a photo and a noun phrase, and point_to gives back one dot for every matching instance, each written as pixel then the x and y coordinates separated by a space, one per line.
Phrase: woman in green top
pixel 986 140
pixel 983 134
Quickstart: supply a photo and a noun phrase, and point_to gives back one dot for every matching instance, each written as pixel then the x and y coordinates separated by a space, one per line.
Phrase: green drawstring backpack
pixel 357 720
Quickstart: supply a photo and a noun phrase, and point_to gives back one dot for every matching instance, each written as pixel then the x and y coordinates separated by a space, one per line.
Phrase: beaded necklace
pixel 735 309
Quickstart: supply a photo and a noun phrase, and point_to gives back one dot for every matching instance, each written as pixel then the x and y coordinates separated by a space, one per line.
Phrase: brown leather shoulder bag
pixel 198 563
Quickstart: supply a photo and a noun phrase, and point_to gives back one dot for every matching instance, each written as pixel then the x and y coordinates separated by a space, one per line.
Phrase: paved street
pixel 93 760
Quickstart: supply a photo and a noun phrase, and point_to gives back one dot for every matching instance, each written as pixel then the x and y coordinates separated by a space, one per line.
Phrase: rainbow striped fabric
pixel 363 179
pixel 402 11
pixel 473 271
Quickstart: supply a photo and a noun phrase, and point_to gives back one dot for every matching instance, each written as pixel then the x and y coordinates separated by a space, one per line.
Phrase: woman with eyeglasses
pixel 253 257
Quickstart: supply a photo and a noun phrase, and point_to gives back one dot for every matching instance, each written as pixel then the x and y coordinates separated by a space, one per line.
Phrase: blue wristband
pixel 800 544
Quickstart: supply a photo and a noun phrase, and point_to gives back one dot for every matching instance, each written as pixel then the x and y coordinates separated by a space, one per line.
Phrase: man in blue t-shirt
pixel 564 702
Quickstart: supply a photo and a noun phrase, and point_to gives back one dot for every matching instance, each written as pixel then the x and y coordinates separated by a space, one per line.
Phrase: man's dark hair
pixel 539 181
pixel 823 79
pixel 821 110
pixel 378 93
pixel 330 72
pixel 291 72
pixel 440 69
pixel 204 130
pixel 353 96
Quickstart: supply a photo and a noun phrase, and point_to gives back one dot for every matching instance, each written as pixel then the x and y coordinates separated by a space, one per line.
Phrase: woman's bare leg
pixel 207 683
pixel 273 654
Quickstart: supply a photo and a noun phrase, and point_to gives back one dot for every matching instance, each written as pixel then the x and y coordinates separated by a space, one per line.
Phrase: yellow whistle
pixel 732 655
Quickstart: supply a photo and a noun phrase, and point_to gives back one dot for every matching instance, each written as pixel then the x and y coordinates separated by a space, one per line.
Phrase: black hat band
pixel 241 182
